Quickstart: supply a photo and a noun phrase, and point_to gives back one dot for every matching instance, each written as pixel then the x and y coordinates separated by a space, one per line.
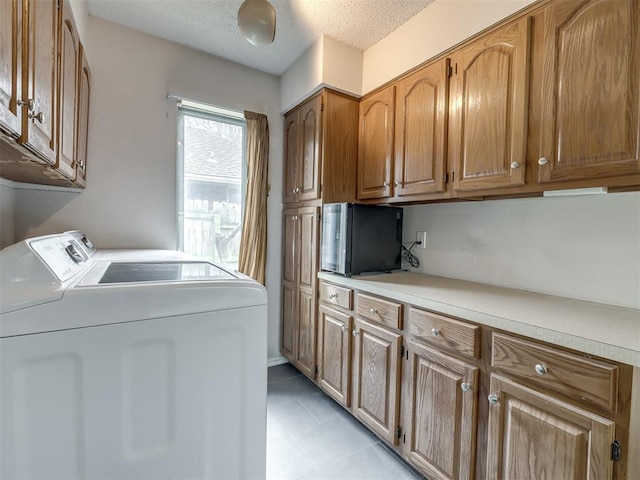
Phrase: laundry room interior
pixel 504 133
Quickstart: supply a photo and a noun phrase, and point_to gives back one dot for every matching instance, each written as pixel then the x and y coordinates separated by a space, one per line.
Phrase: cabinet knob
pixel 493 398
pixel 465 387
pixel 385 184
pixel 542 161
pixel 296 190
pixel 373 311
pixel 515 164
pixel 38 116
pixel 295 217
pixel 355 333
pixel 344 328
pixel 333 295
pixel 29 103
pixel 541 369
pixel 435 332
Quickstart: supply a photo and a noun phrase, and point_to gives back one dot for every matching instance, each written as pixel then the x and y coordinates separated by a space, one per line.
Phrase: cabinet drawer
pixel 582 379
pixel 335 295
pixel 379 310
pixel 445 332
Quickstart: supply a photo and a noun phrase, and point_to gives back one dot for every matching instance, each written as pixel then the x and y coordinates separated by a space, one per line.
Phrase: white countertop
pixel 603 330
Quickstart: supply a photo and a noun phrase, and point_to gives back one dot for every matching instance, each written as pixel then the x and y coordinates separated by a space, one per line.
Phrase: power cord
pixel 411 258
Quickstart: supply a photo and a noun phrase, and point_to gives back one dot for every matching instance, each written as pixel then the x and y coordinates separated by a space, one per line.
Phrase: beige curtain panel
pixel 253 245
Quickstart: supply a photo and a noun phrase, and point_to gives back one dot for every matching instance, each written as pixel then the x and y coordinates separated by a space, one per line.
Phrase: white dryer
pixel 119 369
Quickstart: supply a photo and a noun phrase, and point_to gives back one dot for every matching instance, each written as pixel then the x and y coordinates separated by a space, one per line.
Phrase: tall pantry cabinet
pixel 321 147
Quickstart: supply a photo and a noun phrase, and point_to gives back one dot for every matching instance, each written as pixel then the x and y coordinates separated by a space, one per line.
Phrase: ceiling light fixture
pixel 257 22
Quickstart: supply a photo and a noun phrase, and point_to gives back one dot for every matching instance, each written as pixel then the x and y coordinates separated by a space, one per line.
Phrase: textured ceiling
pixel 211 25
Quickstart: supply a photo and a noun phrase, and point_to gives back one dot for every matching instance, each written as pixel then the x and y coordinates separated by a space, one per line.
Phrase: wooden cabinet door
pixel 421 131
pixel 334 354
pixel 590 125
pixel 308 269
pixel 375 145
pixel 84 94
pixel 534 435
pixel 488 105
pixel 441 411
pixel 39 81
pixel 377 374
pixel 10 63
pixel 290 260
pixel 311 149
pixel 67 93
pixel 291 155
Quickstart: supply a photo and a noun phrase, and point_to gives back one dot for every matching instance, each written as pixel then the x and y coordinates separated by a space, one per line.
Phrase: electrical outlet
pixel 422 238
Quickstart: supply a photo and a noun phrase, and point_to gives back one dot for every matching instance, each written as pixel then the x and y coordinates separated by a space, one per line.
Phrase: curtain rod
pixel 223 110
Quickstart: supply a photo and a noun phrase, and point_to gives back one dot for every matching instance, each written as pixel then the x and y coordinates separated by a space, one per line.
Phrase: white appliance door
pixel 178 397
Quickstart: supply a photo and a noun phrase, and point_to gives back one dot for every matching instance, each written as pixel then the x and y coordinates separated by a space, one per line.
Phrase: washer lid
pixel 109 273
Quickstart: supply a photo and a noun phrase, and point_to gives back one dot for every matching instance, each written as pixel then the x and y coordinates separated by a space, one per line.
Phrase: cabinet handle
pixel 493 398
pixel 465 387
pixel 333 295
pixel 542 161
pixel 38 116
pixel 541 369
pixel 373 311
pixel 435 332
pixel 385 184
pixel 344 328
pixel 515 164
pixel 29 103
pixel 355 333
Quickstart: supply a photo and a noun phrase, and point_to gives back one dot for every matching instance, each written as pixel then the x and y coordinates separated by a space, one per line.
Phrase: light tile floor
pixel 311 437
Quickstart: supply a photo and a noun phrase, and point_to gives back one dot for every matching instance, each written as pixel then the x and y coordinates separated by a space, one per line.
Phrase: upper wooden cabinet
pixel 84 93
pixel 375 155
pixel 320 149
pixel 303 131
pixel 69 47
pixel 588 68
pixel 421 131
pixel 10 65
pixel 42 77
pixel 489 102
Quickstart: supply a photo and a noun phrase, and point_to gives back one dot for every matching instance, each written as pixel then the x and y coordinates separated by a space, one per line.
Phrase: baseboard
pixel 276 361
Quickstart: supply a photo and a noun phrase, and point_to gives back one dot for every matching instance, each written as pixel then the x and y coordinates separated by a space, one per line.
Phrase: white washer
pixel 129 370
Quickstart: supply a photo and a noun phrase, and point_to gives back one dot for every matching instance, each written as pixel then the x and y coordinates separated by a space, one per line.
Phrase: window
pixel 211 182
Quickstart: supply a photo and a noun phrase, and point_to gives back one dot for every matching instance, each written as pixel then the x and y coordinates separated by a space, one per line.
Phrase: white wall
pixel 581 247
pixel 326 63
pixel 130 199
pixel 7 218
pixel 438 27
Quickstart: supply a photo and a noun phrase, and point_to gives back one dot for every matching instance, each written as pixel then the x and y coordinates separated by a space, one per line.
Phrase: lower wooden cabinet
pixel 536 435
pixel 440 413
pixel 462 401
pixel 300 266
pixel 334 354
pixel 377 378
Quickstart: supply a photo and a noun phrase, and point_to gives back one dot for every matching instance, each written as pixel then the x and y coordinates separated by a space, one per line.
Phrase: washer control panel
pixel 64 257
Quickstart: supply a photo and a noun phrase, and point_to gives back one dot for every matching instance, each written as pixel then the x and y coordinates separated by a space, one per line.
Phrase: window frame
pixel 205 112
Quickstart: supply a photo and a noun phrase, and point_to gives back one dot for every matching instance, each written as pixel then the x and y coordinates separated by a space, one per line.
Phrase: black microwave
pixel 360 238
